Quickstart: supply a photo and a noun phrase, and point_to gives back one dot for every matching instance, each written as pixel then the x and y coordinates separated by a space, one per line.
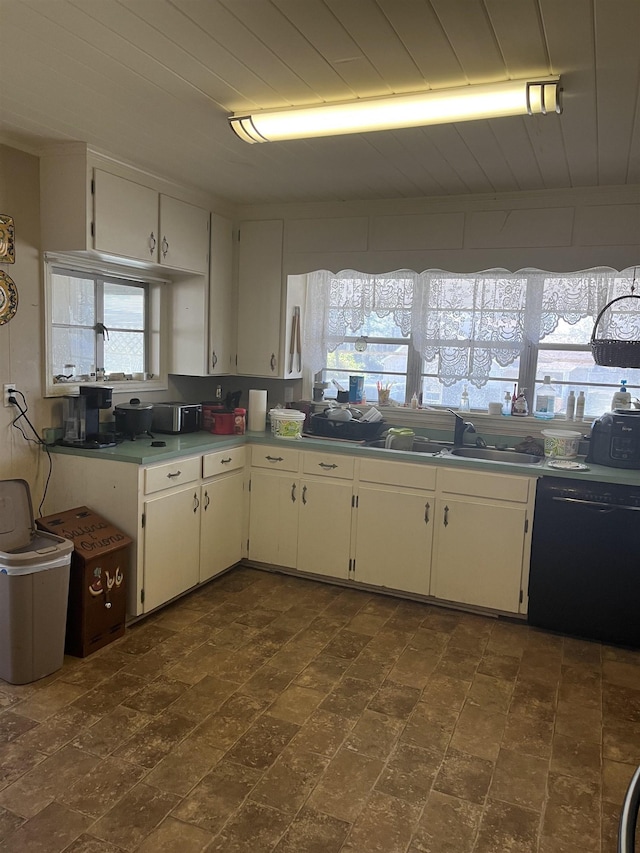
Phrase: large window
pixel 436 332
pixel 100 323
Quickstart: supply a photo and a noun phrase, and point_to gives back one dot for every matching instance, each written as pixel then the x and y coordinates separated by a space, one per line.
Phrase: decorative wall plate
pixel 7 244
pixel 8 298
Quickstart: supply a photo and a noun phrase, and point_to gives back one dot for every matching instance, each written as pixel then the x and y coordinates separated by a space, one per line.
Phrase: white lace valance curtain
pixel 338 306
pixel 466 322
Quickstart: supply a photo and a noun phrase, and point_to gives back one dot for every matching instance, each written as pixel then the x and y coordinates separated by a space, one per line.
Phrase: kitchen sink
pixel 419 445
pixel 494 455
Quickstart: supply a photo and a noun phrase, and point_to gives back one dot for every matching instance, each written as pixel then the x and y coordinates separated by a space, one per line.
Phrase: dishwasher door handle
pixel 599 504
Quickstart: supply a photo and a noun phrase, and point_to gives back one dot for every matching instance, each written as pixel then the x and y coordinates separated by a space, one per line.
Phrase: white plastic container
pixel 561 443
pixel 286 423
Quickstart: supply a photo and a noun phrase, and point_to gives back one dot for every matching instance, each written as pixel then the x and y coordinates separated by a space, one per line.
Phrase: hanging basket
pixel 613 353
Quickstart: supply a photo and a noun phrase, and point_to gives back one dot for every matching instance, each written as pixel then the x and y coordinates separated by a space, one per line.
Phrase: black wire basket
pixel 614 353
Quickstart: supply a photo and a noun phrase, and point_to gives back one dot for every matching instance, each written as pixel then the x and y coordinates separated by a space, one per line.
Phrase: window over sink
pixel 433 333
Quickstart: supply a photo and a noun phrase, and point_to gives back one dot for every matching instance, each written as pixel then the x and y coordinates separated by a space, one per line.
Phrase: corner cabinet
pixel 266 305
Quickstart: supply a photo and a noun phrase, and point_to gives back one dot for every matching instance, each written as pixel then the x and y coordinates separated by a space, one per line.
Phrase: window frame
pixel 156 306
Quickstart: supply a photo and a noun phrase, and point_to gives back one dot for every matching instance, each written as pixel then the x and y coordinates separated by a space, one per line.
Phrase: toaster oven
pixel 176 417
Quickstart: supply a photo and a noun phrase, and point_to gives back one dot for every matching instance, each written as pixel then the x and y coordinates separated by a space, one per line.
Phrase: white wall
pixel 554 230
pixel 21 339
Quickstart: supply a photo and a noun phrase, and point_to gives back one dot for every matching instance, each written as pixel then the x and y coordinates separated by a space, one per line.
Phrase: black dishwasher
pixel 585 560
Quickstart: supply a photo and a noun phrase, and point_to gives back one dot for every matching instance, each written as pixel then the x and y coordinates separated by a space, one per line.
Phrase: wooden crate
pixel 97 584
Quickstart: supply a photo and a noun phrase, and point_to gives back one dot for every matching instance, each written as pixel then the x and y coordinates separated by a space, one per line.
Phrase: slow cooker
pixel 615 439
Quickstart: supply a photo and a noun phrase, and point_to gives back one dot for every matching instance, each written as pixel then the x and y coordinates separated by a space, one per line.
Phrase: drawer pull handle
pixel 196 502
pixel 427 507
pixel 206 501
pixel 293 492
pixel 225 461
pixel 165 247
pixel 176 474
pixel 272 361
pixel 214 359
pixel 274 458
pixel 326 466
pixel 446 516
pixel 304 495
pixel 152 243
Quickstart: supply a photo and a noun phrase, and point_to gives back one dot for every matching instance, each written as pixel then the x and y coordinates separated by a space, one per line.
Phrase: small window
pixel 99 324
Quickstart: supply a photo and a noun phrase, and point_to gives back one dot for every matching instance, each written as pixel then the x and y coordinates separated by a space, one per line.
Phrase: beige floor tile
pixel 385 825
pixel 505 826
pixel 312 831
pixel 50 831
pixel 465 776
pixel 374 735
pixel 448 825
pixel 288 782
pixel 132 819
pixel 520 779
pixel 346 785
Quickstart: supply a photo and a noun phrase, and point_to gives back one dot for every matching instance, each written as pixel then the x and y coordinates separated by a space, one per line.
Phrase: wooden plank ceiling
pixel 153 81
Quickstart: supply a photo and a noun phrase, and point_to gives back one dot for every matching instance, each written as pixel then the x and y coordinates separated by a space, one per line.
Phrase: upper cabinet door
pixel 183 242
pixel 125 218
pixel 221 329
pixel 260 298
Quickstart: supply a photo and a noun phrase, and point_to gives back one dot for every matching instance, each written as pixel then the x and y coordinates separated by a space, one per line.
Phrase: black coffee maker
pixel 82 418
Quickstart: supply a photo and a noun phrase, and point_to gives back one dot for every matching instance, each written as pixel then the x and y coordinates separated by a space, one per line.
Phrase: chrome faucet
pixel 459 428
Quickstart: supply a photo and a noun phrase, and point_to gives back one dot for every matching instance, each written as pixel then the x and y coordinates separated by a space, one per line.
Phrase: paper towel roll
pixel 257 416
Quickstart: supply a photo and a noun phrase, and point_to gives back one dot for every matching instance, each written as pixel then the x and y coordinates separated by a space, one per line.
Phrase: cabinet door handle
pixel 304 494
pixel 152 243
pixel 225 461
pixel 293 492
pixel 164 247
pixel 272 361
pixel 274 458
pixel 214 359
pixel 326 466
pixel 427 507
pixel 446 516
pixel 176 474
pixel 206 501
pixel 196 502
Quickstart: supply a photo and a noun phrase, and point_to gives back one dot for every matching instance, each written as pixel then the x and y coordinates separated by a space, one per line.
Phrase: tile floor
pixel 265 712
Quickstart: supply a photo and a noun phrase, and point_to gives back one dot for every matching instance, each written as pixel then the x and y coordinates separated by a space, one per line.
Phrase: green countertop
pixel 140 452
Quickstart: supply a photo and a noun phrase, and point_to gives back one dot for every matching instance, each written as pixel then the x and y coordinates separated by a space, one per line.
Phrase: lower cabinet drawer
pixel 171 474
pixel 327 465
pixel 477 484
pixel 222 461
pixel 276 458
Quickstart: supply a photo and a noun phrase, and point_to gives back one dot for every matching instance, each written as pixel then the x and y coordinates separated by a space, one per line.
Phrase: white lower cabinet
pixel 171 545
pixel 393 538
pixel 273 519
pixel 481 539
pixel 394 525
pixel 293 516
pixel 221 523
pixel 324 527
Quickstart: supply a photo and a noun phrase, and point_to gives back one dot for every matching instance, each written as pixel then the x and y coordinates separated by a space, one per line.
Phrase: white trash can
pixel 34 589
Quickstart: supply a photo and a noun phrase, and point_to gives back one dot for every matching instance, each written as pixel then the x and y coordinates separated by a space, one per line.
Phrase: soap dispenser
pixel 464 401
pixel 622 398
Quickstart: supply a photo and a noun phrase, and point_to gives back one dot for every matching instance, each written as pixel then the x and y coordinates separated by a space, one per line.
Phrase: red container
pixel 223 423
pixel 209 411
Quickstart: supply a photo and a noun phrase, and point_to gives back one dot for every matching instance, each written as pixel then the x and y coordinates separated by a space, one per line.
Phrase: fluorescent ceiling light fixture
pixel 444 106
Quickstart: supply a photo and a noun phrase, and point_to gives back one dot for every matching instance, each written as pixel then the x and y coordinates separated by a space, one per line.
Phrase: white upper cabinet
pixel 89 204
pixel 134 221
pixel 268 344
pixel 202 325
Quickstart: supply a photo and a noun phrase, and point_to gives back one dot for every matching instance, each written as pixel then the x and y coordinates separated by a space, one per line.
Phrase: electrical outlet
pixel 9 390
